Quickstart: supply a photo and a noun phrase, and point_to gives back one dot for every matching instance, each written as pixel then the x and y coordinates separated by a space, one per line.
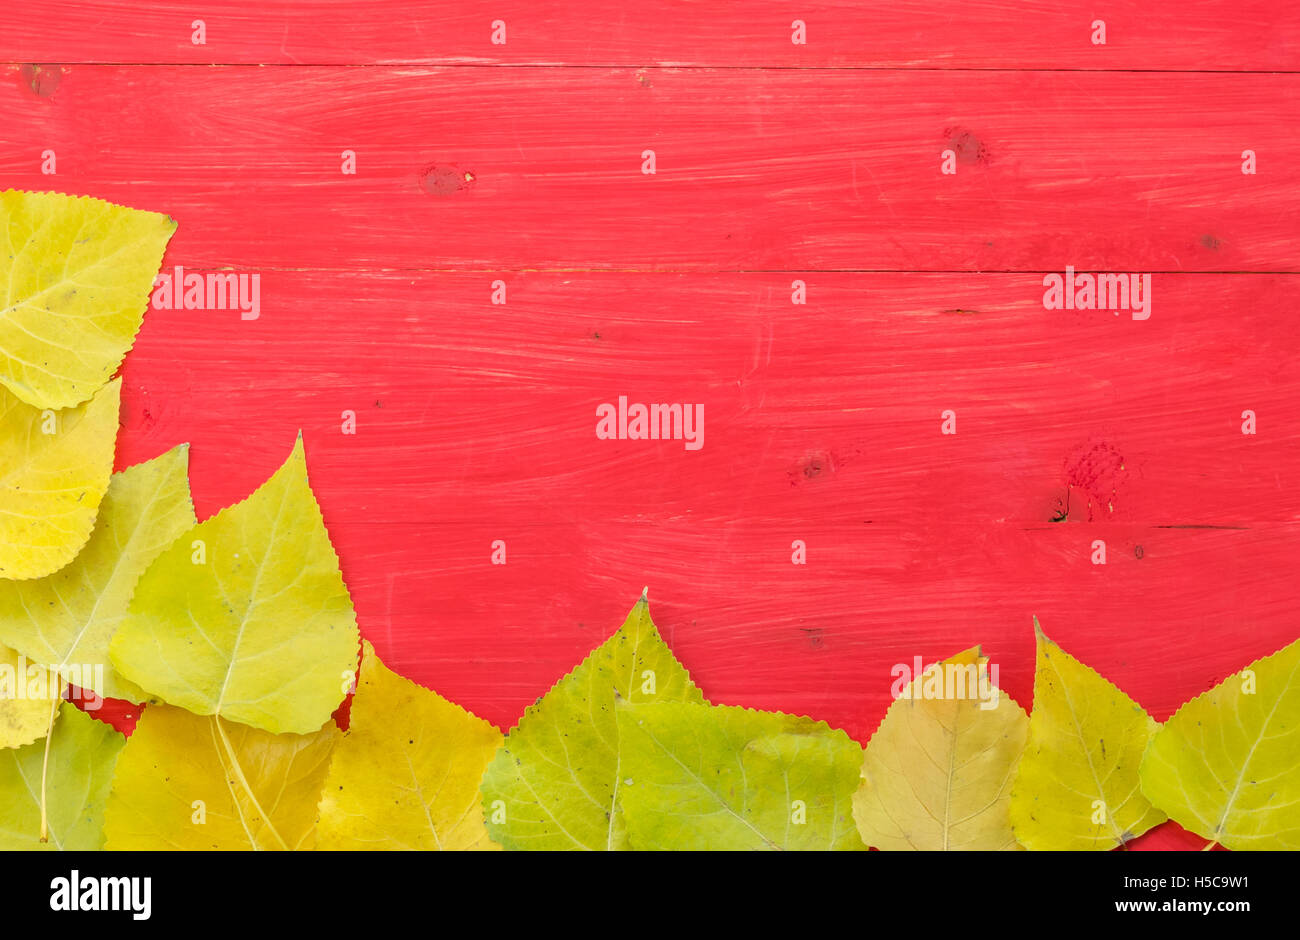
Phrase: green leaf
pixel 937 773
pixel 702 777
pixel 82 755
pixel 76 277
pixel 65 620
pixel 27 695
pixel 186 782
pixel 556 782
pixel 246 615
pixel 1225 765
pixel 1076 786
pixel 406 774
pixel 54 469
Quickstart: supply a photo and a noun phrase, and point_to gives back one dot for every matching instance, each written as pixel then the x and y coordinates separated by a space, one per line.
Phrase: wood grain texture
pixel 1050 34
pixel 757 169
pixel 832 408
pixel 476 421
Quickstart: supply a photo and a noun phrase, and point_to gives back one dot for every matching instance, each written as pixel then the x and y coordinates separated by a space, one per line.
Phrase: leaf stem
pixel 45 762
pixel 243 781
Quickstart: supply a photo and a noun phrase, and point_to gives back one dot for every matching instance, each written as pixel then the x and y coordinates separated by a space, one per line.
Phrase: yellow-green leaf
pixel 76 277
pixel 82 754
pixel 1076 786
pixel 937 773
pixel 65 620
pixel 27 695
pixel 407 772
pixel 190 782
pixel 54 469
pixel 703 777
pixel 555 783
pixel 1227 764
pixel 246 615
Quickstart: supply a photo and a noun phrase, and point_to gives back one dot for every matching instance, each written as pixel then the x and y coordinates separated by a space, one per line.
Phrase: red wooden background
pixel 775 162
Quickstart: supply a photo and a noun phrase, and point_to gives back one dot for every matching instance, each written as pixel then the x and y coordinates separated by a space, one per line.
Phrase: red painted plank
pixel 1249 34
pixel 757 169
pixel 473 413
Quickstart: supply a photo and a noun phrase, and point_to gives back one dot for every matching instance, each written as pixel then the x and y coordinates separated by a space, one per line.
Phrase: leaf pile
pixel 239 636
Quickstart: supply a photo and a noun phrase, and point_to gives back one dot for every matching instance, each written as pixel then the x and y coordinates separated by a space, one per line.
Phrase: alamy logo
pixel 1098 292
pixel 105 893
pixel 656 422
pixel 215 290
pixel 34 681
pixel 946 681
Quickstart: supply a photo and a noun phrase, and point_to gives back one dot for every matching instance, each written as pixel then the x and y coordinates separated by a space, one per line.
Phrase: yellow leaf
pixel 66 619
pixel 1076 786
pixel 726 778
pixel 556 782
pixel 27 695
pixel 246 615
pixel 190 782
pixel 54 469
pixel 407 772
pixel 937 772
pixel 82 753
pixel 76 278
pixel 1227 764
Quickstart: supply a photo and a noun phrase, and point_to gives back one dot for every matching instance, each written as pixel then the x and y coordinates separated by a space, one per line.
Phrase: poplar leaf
pixel 556 782
pixel 246 615
pixel 27 695
pixel 703 777
pixel 82 755
pixel 66 619
pixel 1226 765
pixel 407 771
pixel 54 469
pixel 937 772
pixel 191 782
pixel 1076 786
pixel 77 277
